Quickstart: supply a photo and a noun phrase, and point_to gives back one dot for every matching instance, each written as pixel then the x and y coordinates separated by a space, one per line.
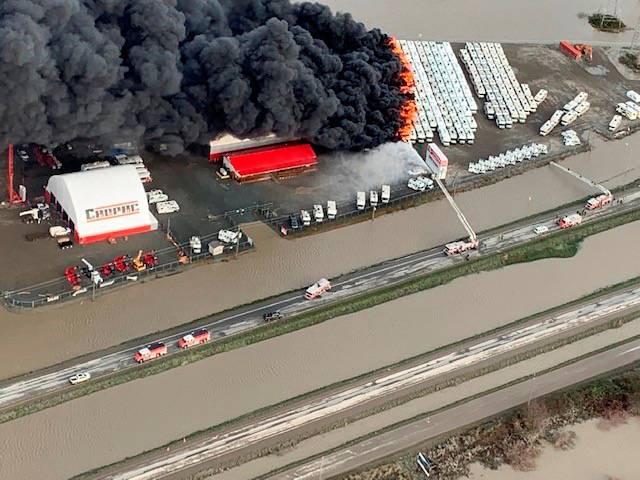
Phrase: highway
pixel 291 422
pixel 403 438
pixel 100 364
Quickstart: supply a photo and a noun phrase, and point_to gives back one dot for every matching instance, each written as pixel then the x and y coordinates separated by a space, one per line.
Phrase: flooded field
pixel 599 454
pixel 54 334
pixel 228 385
pixel 500 20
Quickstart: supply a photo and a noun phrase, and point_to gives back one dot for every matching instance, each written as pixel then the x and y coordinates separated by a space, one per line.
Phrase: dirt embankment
pixel 518 439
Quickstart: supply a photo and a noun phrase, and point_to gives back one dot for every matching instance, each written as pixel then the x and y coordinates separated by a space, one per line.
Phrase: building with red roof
pixel 260 163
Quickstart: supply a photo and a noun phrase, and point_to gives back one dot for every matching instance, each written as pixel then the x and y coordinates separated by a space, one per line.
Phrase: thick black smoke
pixel 180 72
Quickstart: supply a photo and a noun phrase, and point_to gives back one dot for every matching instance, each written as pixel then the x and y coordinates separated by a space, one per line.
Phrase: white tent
pixel 103 203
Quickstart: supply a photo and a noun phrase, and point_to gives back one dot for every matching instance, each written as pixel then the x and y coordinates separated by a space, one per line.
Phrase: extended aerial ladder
pixel 460 246
pixel 12 195
pixel 601 200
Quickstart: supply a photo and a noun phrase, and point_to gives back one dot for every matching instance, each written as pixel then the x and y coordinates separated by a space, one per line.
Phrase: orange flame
pixel 406 80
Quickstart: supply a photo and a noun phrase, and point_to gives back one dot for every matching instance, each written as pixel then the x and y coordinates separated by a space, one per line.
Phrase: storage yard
pixel 200 198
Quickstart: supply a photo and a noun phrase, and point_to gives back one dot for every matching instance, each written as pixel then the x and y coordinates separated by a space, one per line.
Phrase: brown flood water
pixel 601 453
pixel 131 418
pixel 58 333
pixel 535 21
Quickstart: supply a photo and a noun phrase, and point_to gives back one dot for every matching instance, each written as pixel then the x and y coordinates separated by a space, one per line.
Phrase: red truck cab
pixel 198 337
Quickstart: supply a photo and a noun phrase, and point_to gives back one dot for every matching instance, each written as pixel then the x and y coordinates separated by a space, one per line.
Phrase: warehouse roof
pixel 103 201
pixel 272 159
pixel 229 143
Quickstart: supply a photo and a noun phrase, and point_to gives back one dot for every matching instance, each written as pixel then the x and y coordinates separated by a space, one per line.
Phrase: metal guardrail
pixel 59 287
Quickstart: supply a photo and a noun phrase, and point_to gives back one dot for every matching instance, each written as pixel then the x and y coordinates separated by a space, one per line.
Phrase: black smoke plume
pixel 180 72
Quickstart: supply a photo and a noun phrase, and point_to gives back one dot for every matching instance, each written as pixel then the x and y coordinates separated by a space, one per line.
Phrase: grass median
pixel 562 244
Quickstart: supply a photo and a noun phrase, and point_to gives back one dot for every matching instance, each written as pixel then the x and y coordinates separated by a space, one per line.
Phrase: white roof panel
pixel 104 200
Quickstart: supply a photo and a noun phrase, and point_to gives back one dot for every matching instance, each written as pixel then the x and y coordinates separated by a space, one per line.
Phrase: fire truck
pixel 150 352
pixel 570 220
pixel 461 246
pixel 72 276
pixel 121 263
pixel 317 289
pixel 198 337
pixel 45 158
pixel 599 201
pixel 455 248
pixel 605 197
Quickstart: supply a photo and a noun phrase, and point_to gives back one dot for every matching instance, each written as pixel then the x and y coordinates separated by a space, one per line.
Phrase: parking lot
pixel 209 203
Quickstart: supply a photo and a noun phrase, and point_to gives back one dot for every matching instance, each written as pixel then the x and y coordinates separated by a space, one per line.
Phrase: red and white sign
pixel 437 161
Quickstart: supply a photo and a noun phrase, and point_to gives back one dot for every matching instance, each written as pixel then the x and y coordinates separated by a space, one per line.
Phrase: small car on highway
pixel 540 229
pixel 271 316
pixel 79 378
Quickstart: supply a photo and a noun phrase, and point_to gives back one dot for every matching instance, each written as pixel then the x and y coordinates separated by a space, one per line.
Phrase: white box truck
pixel 386 194
pixel 361 200
pixel 332 210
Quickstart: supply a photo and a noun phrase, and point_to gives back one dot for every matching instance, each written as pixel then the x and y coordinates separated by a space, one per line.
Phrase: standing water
pixel 277 265
pixel 521 21
pixel 78 435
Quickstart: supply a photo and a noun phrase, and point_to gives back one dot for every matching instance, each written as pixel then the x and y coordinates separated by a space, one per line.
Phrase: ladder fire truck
pixel 461 246
pixel 605 198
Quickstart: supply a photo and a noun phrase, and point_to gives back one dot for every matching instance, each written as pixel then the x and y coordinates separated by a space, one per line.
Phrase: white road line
pixel 352 397
pixel 122 359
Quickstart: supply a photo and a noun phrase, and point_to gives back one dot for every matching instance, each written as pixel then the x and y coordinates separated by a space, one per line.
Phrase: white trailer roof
pixel 102 201
pixel 229 143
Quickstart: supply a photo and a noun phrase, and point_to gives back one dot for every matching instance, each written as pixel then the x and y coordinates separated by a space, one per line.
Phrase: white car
pixel 79 378
pixel 427 181
pixel 229 236
pixel 417 185
pixel 167 207
pixel 155 196
pixel 540 229
pixel 59 231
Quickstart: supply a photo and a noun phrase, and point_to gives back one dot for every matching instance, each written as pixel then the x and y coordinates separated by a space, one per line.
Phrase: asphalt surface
pixel 38 384
pixel 413 434
pixel 291 422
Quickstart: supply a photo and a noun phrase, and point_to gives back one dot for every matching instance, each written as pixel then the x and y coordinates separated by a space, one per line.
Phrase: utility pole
pixel 237 241
pixel 635 40
pixel 531 390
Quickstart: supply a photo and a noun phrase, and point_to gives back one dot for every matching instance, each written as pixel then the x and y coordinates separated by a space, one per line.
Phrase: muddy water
pixel 80 434
pixel 601 452
pixel 490 20
pixel 277 265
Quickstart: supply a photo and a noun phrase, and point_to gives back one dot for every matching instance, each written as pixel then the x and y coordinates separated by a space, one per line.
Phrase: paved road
pixel 291 422
pixel 408 436
pixel 99 364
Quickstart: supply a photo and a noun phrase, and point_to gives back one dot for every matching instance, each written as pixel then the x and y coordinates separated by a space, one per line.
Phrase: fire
pixel 409 109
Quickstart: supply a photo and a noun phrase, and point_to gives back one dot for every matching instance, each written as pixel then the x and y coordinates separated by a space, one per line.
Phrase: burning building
pixel 261 163
pixel 182 72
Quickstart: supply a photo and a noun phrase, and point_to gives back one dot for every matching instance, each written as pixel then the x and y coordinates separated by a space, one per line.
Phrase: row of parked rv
pixel 569 114
pixel 443 97
pixel 570 138
pixel 122 159
pixel 374 199
pixel 304 220
pixel 506 100
pixel 510 157
pixel 162 202
pixel 317 214
pixel 629 109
